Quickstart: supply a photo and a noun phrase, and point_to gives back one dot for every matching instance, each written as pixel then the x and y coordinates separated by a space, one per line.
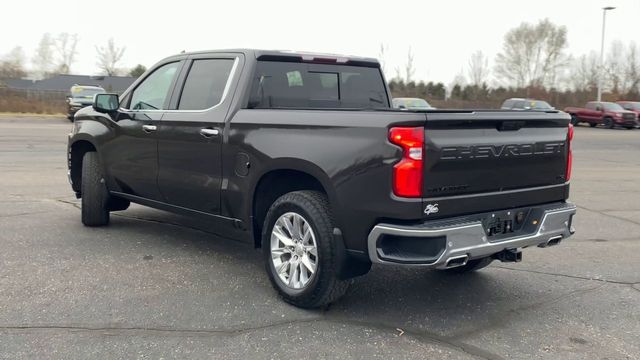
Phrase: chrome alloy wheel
pixel 294 253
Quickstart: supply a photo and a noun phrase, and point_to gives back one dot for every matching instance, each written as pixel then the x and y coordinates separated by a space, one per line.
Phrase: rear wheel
pixel 95 196
pixel 471 265
pixel 593 124
pixel 300 252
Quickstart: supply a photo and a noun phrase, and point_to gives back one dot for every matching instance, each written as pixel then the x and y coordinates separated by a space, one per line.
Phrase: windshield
pixel 612 107
pixel 632 105
pixel 79 92
pixel 412 103
pixel 541 105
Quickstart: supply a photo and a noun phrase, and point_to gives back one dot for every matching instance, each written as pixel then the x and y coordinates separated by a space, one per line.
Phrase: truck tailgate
pixel 493 152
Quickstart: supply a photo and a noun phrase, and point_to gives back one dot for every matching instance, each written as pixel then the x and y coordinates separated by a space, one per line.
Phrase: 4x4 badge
pixel 431 209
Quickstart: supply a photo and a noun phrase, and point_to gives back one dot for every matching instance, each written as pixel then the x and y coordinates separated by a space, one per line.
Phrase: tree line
pixel 56 54
pixel 533 63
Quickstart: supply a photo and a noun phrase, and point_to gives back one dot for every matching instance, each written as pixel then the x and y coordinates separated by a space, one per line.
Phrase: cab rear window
pixel 301 85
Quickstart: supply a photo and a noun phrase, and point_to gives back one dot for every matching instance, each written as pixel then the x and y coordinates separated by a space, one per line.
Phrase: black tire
pixel 95 196
pixel 608 123
pixel 593 124
pixel 471 265
pixel 324 286
pixel 629 127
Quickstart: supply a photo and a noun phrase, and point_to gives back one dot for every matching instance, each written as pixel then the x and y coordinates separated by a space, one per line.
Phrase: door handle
pixel 206 132
pixel 149 128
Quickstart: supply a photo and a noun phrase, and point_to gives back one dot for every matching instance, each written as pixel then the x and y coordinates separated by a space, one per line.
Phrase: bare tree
pixel 632 68
pixel 381 57
pixel 43 59
pixel 478 70
pixel 532 54
pixel 12 64
pixel 65 45
pixel 109 56
pixel 455 87
pixel 459 79
pixel 137 70
pixel 584 72
pixel 409 70
pixel 614 67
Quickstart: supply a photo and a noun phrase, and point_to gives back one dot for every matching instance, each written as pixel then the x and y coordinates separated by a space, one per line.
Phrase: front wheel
pixel 608 123
pixel 300 252
pixel 95 196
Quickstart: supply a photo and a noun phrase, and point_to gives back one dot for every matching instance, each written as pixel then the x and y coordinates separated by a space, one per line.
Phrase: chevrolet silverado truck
pixel 606 113
pixel 303 156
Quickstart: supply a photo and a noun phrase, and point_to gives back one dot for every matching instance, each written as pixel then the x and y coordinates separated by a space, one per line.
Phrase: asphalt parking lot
pixel 157 285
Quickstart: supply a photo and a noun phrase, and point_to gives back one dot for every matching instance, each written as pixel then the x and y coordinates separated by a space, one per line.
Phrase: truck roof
pixel 288 55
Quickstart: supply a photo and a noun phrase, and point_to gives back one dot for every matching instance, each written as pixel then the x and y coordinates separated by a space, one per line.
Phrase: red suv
pixel 631 106
pixel 606 113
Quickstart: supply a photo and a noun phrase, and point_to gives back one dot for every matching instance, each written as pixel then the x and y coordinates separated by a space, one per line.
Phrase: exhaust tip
pixel 555 240
pixel 456 261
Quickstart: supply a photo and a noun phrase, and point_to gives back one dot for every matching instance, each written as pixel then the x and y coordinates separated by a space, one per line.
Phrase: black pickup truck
pixel 302 155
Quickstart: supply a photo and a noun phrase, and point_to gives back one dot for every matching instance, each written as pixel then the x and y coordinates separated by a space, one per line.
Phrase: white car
pixel 411 104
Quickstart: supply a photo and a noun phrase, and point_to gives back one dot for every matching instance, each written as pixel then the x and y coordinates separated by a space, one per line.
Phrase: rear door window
pixel 205 84
pixel 302 85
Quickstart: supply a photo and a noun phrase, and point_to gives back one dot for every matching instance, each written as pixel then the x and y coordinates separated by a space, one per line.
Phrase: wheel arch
pixel 283 176
pixel 77 149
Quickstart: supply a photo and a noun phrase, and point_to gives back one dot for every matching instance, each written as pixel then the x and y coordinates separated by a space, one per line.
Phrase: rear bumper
pixel 465 238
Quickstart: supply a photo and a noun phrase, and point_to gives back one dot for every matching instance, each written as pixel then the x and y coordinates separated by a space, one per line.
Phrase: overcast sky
pixel 442 34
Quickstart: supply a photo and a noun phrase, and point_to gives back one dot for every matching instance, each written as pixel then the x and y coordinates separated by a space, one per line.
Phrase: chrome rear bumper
pixel 468 239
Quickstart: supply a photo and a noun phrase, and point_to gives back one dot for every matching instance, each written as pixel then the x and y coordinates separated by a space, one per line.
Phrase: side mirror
pixel 401 107
pixel 598 108
pixel 105 103
pixel 527 107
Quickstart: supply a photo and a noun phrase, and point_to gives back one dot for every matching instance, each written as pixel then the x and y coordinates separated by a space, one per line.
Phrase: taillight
pixel 407 174
pixel 569 153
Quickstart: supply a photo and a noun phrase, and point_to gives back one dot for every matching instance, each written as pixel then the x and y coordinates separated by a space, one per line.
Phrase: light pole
pixel 600 70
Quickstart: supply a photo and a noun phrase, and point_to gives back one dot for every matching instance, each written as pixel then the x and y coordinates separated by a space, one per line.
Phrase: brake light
pixel 407 174
pixel 569 153
pixel 324 59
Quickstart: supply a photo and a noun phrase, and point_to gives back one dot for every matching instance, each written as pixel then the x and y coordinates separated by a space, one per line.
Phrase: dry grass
pixel 17 104
pixel 5 114
pixel 33 102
